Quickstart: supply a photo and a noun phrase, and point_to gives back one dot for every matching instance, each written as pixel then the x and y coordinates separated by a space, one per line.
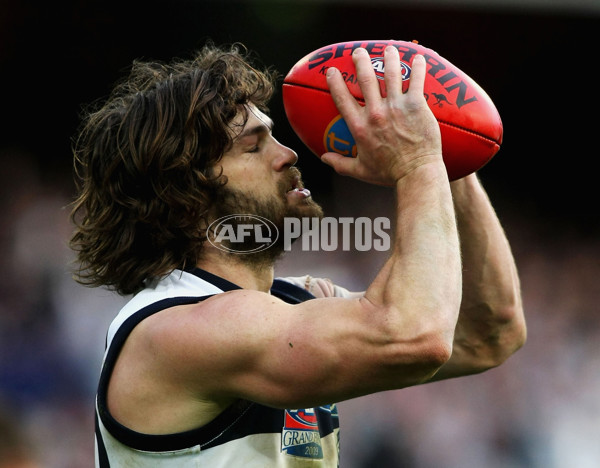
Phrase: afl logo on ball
pixel 379 67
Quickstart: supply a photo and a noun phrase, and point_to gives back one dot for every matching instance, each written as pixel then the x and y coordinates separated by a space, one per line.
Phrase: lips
pixel 296 188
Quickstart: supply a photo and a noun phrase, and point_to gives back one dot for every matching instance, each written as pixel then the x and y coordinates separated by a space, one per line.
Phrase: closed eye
pixel 254 136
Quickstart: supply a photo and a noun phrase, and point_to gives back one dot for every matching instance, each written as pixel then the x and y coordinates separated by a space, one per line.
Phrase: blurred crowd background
pixel 541 409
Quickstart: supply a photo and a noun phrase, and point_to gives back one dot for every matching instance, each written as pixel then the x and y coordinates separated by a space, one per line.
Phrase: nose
pixel 285 158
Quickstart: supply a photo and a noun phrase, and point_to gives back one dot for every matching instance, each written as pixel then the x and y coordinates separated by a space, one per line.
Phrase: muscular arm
pixel 248 344
pixel 491 325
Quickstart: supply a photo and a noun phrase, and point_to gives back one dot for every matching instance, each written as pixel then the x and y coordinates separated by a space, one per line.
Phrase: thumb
pixel 343 165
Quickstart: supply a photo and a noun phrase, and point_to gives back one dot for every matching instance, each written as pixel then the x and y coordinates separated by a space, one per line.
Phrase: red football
pixel 469 122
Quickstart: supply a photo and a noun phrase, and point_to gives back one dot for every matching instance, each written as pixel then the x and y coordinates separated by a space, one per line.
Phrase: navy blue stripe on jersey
pixel 254 419
pixel 260 419
pixel 289 292
pixel 215 280
pixel 328 419
pixel 135 439
pixel 102 455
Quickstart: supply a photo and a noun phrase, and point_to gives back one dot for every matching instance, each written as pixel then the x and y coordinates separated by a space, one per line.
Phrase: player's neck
pixel 248 275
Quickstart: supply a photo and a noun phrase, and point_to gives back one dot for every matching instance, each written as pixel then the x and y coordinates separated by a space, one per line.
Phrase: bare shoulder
pixel 211 315
pixel 183 352
pixel 213 334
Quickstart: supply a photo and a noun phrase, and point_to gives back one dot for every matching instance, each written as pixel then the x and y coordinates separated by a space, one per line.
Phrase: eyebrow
pixel 266 127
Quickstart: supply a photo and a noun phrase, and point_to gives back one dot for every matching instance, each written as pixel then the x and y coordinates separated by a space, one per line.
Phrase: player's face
pixel 261 176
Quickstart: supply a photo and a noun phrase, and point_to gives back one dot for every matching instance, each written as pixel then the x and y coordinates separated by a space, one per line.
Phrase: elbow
pixel 435 356
pixel 506 329
pixel 435 348
pixel 519 327
pixel 432 356
pixel 412 351
pixel 513 332
pixel 509 335
pixel 417 360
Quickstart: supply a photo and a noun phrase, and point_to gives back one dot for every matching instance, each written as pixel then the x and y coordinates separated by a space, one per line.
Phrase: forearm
pixel 490 275
pixel 491 325
pixel 422 281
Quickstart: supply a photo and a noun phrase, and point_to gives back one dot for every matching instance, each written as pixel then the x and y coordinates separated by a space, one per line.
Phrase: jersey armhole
pixel 150 442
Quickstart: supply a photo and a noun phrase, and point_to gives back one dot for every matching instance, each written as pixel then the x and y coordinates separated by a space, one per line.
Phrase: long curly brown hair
pixel 143 164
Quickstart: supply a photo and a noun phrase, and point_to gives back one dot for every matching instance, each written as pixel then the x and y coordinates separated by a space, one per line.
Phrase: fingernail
pixel 330 72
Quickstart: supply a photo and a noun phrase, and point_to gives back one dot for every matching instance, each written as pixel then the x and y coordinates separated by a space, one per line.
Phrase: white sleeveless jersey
pixel 246 434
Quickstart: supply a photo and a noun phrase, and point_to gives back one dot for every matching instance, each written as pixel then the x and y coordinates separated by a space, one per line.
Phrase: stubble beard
pixel 230 201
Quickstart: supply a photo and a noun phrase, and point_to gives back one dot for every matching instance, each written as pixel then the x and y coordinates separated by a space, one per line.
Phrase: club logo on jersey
pixel 300 435
pixel 379 68
pixel 338 139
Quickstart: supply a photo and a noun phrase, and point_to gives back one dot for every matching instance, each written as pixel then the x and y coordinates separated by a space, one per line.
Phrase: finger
pixel 343 165
pixel 343 99
pixel 393 72
pixel 365 74
pixel 417 76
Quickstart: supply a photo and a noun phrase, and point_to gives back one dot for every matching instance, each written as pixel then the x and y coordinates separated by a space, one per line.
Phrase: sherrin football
pixel 470 125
